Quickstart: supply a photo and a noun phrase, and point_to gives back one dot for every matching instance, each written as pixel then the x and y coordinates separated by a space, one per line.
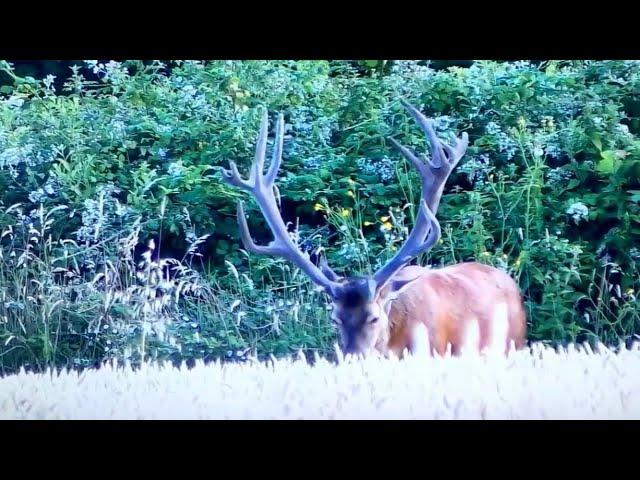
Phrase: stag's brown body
pixel 469 306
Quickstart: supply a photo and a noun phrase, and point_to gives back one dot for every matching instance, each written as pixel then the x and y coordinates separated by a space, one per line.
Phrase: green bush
pixel 129 153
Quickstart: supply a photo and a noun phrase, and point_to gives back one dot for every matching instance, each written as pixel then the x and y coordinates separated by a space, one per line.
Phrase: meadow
pixel 119 241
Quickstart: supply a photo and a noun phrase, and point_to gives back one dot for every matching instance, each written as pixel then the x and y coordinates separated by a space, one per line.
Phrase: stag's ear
pixel 394 288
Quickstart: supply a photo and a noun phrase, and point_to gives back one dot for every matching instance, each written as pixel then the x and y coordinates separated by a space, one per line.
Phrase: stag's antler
pixel 434 173
pixel 261 187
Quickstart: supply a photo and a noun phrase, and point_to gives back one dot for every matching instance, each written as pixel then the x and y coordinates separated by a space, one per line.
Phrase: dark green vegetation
pixel 119 237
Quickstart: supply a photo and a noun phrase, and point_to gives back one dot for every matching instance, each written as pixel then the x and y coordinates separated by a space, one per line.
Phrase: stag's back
pixel 469 305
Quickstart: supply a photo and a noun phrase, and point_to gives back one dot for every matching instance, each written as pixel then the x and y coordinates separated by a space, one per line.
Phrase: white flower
pixel 48 82
pixel 578 211
pixel 623 129
pixel 176 169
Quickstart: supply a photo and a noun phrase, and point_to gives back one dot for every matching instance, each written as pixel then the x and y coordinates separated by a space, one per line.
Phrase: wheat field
pixel 537 383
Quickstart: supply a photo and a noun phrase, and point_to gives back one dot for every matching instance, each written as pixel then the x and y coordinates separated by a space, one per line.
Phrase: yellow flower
pixel 485 254
pixel 345 212
pixel 630 291
pixel 387 225
pixel 317 207
pixel 384 219
pixel 350 194
pixel 367 223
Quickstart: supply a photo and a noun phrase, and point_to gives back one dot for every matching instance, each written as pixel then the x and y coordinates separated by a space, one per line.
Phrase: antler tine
pixel 326 269
pixel 409 155
pixel 276 158
pixel 233 177
pixel 426 125
pixel 262 188
pixel 247 241
pixel 261 147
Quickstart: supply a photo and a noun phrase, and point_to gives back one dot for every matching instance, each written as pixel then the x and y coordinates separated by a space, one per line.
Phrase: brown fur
pixel 445 299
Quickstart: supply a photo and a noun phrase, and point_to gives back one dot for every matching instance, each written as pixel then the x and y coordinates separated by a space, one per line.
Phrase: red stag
pixel 465 307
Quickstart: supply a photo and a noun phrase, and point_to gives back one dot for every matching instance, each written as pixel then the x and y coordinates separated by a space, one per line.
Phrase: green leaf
pixel 609 163
pixel 573 183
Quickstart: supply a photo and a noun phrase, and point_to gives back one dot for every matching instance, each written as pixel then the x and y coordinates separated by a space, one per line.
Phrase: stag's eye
pixel 373 319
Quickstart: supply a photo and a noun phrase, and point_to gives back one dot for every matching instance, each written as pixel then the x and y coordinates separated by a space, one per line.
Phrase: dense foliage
pixel 119 237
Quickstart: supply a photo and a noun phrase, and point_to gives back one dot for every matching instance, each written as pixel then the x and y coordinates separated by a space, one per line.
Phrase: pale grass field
pixel 540 383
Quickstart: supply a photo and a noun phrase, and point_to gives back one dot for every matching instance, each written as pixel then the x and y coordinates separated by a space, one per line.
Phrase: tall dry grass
pixel 540 383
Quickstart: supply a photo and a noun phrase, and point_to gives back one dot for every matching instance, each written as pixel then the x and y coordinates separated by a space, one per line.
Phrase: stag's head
pixel 360 309
pixel 360 305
